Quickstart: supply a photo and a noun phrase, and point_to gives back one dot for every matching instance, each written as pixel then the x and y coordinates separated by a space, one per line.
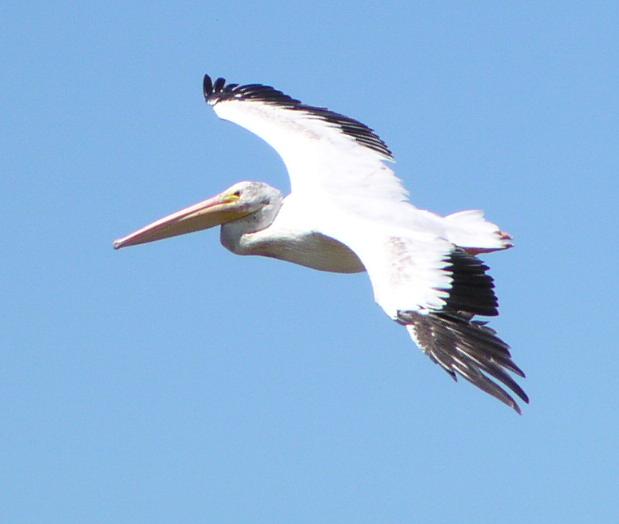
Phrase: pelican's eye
pixel 232 197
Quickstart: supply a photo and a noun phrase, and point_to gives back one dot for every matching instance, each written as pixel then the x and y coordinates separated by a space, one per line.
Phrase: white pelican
pixel 347 212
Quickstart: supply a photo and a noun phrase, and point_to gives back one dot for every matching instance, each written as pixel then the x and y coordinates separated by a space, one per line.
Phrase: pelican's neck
pixel 278 231
pixel 234 235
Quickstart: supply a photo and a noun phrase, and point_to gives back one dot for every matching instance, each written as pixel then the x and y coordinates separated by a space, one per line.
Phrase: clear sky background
pixel 176 382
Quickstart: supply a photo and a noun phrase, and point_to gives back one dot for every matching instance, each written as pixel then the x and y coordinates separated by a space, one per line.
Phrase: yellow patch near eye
pixel 232 197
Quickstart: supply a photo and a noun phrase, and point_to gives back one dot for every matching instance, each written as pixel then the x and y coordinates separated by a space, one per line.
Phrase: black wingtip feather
pixel 207 86
pixel 469 349
pixel 219 85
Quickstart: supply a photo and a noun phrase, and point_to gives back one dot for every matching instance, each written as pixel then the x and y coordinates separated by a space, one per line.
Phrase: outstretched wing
pixel 435 289
pixel 325 152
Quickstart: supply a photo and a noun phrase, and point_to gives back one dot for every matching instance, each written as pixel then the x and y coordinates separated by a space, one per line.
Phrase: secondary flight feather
pixel 347 212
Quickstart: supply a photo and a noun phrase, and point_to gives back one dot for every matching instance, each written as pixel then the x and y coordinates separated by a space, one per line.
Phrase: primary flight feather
pixel 347 212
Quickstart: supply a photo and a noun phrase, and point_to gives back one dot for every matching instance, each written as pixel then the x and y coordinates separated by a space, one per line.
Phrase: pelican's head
pixel 236 202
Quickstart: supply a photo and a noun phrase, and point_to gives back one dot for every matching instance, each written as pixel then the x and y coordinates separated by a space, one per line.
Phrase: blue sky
pixel 175 382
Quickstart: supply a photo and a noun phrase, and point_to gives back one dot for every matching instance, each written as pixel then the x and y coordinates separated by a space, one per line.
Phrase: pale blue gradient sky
pixel 175 382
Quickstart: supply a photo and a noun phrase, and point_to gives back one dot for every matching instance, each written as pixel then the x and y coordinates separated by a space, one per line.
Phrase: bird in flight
pixel 346 213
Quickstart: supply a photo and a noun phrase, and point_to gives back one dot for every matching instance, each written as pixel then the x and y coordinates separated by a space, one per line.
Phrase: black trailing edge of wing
pixel 219 91
pixel 471 289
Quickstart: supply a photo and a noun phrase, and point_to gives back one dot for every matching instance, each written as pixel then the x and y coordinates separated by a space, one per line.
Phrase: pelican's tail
pixel 473 233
